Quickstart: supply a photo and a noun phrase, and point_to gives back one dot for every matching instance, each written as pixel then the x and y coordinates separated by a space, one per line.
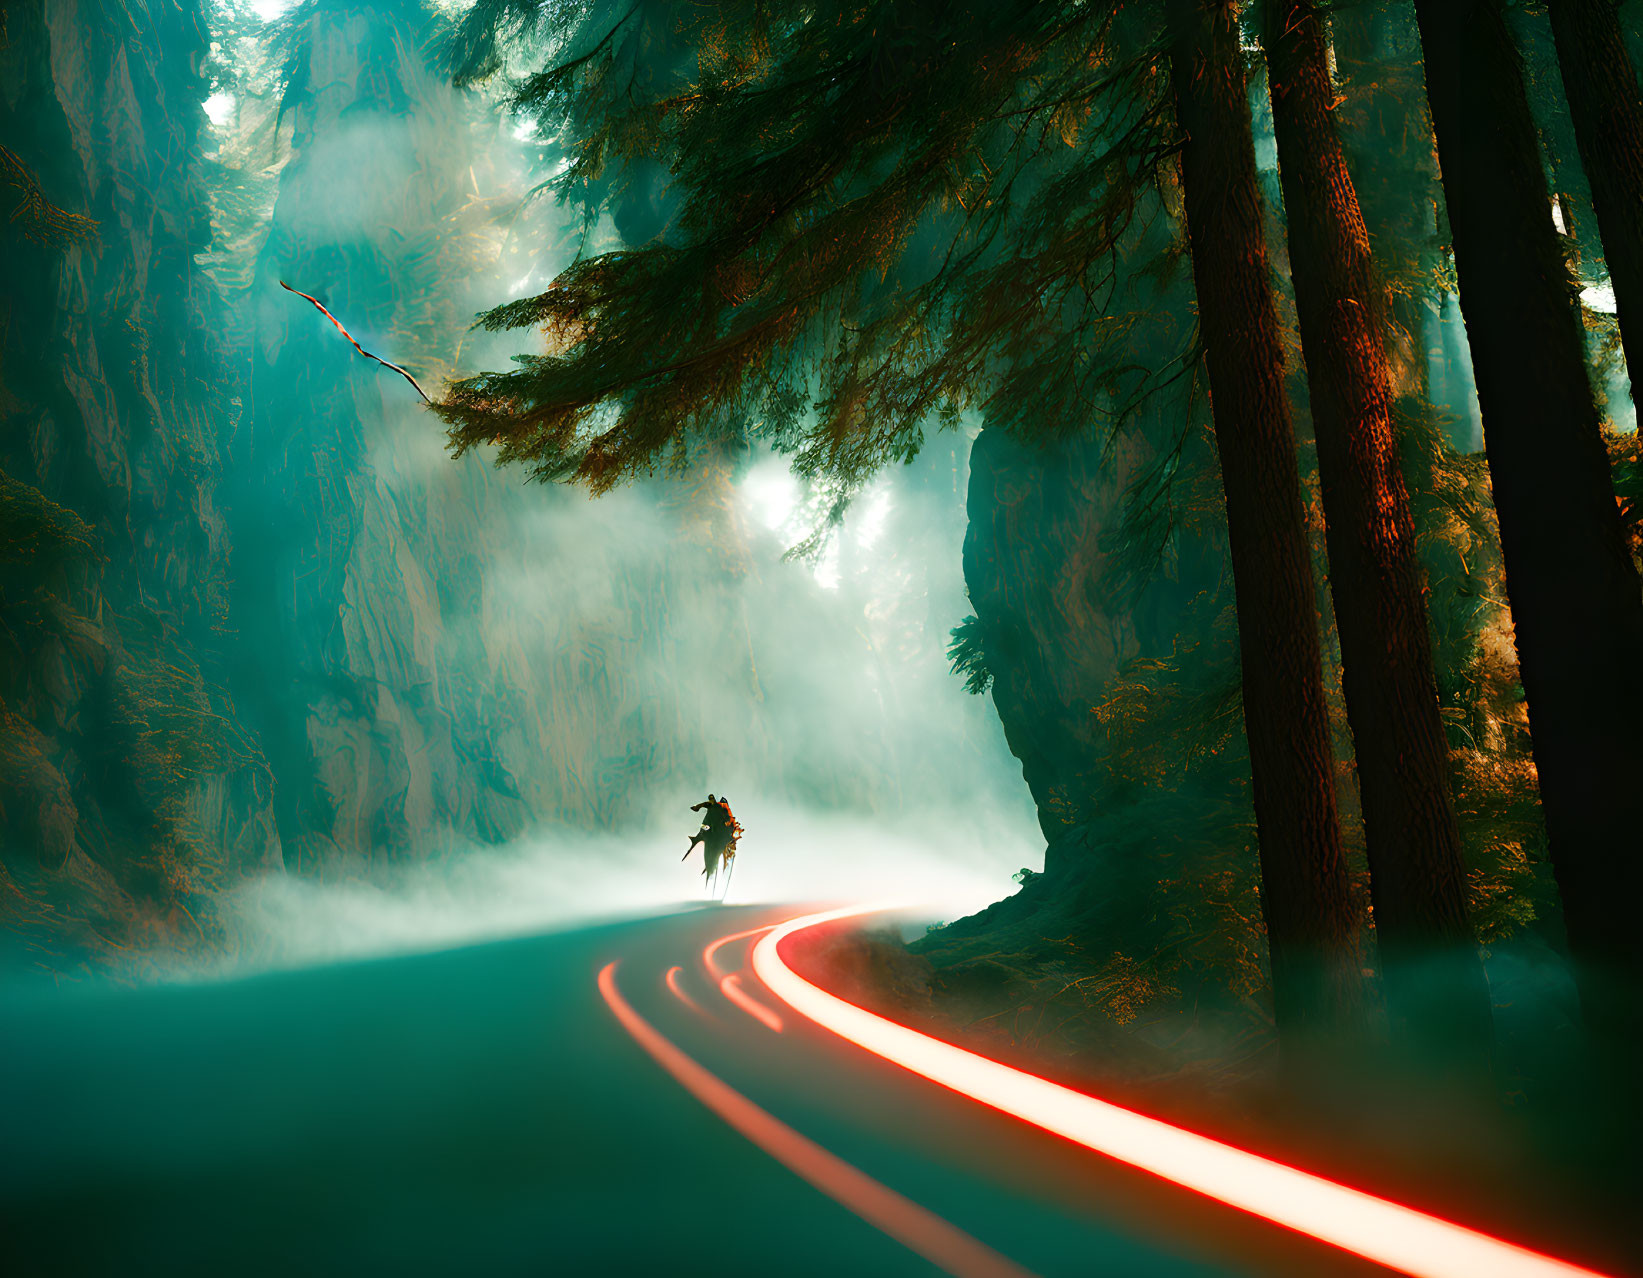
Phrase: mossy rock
pixel 36 533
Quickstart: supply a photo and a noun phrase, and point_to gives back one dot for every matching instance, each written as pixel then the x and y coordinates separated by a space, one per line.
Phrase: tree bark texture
pixel 1433 975
pixel 1386 135
pixel 1600 83
pixel 1573 589
pixel 1311 915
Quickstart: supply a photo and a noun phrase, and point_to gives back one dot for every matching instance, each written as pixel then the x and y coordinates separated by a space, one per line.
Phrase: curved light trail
pixel 1387 1233
pixel 713 947
pixel 672 981
pixel 732 989
pixel 921 1231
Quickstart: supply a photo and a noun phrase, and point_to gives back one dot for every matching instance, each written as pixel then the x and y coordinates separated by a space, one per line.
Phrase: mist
pixel 490 703
pixel 551 881
pixel 845 745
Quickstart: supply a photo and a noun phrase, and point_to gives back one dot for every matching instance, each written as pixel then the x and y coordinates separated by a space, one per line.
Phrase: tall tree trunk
pixel 1434 977
pixel 1607 108
pixel 1306 896
pixel 1386 136
pixel 1573 589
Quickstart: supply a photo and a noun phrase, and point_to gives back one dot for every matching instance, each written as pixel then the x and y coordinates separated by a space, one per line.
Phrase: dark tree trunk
pixel 1311 916
pixel 1434 977
pixel 1572 586
pixel 1607 108
pixel 1386 135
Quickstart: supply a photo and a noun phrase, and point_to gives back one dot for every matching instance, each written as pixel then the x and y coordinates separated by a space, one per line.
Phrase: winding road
pixel 663 1096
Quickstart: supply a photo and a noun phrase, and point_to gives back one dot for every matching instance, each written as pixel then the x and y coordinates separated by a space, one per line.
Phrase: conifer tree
pixel 1574 592
pixel 884 215
pixel 1417 882
pixel 1311 922
pixel 1607 108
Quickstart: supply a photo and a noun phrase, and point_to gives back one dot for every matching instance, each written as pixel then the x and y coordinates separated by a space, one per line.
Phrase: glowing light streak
pixel 718 973
pixel 672 981
pixel 731 988
pixel 915 1228
pixel 1387 1233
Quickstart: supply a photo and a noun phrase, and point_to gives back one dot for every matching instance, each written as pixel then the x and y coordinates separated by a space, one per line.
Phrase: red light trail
pixel 915 1228
pixel 732 989
pixel 714 947
pixel 672 979
pixel 1387 1233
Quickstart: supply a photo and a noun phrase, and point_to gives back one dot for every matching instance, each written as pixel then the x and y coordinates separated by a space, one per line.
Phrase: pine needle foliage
pixel 968 654
pixel 1497 802
pixel 879 216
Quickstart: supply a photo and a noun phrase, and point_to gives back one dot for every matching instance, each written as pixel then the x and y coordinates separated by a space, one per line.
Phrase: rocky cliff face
pixel 1061 613
pixel 256 620
pixel 347 568
pixel 435 652
pixel 128 786
pixel 1053 630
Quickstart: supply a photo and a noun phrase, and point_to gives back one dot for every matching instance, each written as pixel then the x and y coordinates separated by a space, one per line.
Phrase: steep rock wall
pixel 350 556
pixel 253 617
pixel 129 790
pixel 434 651
pixel 1049 566
pixel 1036 570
